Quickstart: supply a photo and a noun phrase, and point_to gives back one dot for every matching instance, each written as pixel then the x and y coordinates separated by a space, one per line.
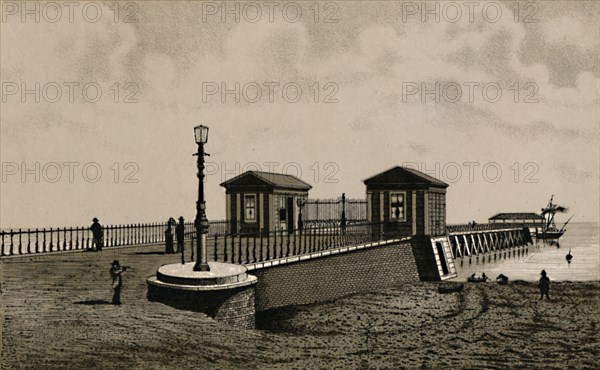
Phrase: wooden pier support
pixel 480 242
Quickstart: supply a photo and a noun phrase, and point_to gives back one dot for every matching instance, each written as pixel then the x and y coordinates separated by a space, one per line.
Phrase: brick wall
pixel 232 306
pixel 325 278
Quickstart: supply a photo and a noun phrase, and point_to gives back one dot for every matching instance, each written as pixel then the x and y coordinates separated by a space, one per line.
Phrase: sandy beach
pixel 56 316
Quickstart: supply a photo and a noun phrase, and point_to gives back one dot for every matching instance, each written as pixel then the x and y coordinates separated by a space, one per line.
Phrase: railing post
pixel 44 241
pixel 261 245
pixel 240 248
pixel 11 251
pixel 343 218
pixel 57 239
pixel 312 239
pixel 233 247
pixel 281 245
pixel 192 247
pixel 319 235
pixel 298 243
pixel 247 248
pixel 216 236
pixel 287 253
pixel 139 234
pixel 20 243
pixel 254 248
pixel 268 245
pixel 88 244
pixel 51 242
pixel 76 238
pixel 232 254
pixel 275 239
pixel 294 243
pixel 225 247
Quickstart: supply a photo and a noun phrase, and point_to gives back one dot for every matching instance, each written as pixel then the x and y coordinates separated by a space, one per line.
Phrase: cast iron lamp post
pixel 201 222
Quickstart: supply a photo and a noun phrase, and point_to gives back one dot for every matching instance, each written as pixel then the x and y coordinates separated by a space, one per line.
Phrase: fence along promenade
pixel 49 240
pixel 222 246
pixel 264 246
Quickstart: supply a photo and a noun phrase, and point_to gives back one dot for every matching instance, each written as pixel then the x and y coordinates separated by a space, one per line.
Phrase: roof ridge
pixel 411 172
pixel 271 178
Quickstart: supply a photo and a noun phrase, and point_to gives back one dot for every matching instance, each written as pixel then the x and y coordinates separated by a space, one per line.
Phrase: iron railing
pixel 48 240
pixel 481 227
pixel 263 246
pixel 316 211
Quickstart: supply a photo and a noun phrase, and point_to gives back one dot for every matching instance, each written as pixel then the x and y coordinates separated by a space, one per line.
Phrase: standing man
pixel 169 237
pixel 117 282
pixel 180 233
pixel 97 234
pixel 544 285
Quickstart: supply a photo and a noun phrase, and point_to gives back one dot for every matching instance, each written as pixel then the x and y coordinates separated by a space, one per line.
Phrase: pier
pixel 468 241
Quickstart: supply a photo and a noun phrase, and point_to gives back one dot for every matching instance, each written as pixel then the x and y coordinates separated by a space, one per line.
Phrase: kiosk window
pixel 397 207
pixel 250 207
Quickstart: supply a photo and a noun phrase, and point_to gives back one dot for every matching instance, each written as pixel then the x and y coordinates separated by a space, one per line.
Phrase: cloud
pixel 566 30
pixel 367 56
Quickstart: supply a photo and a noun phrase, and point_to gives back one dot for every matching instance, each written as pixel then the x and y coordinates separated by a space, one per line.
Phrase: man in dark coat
pixel 169 237
pixel 117 282
pixel 180 233
pixel 544 285
pixel 97 235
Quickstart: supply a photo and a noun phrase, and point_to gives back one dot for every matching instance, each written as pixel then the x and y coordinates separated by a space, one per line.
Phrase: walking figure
pixel 169 237
pixel 97 234
pixel 180 233
pixel 117 282
pixel 544 285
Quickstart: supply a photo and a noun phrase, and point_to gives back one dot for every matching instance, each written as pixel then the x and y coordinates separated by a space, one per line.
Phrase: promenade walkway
pixel 56 315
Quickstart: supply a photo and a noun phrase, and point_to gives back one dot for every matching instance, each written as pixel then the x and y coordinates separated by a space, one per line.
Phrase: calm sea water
pixel 581 239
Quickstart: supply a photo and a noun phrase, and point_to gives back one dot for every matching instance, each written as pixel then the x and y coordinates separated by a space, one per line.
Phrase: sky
pixel 99 100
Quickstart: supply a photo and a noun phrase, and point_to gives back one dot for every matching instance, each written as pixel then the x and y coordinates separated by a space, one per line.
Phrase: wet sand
pixel 56 316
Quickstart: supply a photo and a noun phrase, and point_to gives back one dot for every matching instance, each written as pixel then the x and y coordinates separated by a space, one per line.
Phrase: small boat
pixel 450 288
pixel 477 279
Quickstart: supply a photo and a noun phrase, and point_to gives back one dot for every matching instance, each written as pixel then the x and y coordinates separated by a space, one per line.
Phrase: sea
pixel 581 241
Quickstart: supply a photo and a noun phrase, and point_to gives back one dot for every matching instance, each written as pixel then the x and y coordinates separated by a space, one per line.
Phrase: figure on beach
pixel 180 233
pixel 502 279
pixel 117 282
pixel 476 279
pixel 544 285
pixel 97 234
pixel 169 237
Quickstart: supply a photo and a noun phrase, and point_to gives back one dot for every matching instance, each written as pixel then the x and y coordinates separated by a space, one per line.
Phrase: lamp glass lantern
pixel 201 133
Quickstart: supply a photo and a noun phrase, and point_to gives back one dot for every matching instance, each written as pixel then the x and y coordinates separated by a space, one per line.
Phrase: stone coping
pixel 250 280
pixel 184 274
pixel 319 254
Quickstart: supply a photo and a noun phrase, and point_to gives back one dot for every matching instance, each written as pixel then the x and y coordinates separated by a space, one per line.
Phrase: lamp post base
pixel 201 266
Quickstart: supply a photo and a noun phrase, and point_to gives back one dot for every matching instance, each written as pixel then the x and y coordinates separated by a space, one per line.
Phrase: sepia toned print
pixel 299 184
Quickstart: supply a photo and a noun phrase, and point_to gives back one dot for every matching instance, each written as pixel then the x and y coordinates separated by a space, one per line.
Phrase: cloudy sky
pixel 499 100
